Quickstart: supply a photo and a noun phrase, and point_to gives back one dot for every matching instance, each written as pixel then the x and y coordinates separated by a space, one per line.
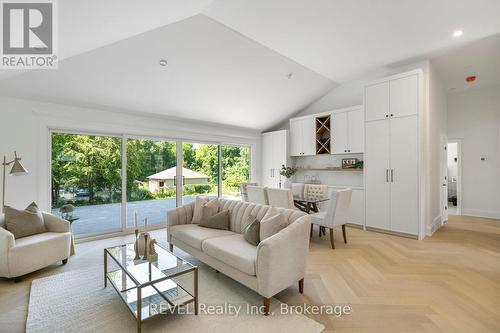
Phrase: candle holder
pixel 145 257
pixel 136 247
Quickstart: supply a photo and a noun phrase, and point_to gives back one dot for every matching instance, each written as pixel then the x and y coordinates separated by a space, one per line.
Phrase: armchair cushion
pixel 22 223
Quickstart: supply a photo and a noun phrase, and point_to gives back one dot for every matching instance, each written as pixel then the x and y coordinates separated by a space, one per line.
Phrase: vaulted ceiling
pixel 229 61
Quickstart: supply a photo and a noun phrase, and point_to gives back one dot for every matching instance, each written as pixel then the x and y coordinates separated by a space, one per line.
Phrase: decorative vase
pixel 141 244
pixel 287 183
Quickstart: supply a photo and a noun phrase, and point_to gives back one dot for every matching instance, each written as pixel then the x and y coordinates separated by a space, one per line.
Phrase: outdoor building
pixel 167 178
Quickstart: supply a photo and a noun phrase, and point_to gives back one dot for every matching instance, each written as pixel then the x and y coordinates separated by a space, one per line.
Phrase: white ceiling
pixel 480 58
pixel 85 25
pixel 213 74
pixel 343 39
pixel 229 64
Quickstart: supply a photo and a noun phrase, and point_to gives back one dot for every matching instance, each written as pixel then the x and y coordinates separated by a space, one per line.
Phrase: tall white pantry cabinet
pixel 392 150
pixel 274 155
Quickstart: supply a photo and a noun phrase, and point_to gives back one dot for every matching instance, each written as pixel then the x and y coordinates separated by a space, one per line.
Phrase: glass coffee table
pixel 147 286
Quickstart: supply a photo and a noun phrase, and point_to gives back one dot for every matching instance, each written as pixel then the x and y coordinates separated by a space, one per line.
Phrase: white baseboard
pixel 491 214
pixel 435 225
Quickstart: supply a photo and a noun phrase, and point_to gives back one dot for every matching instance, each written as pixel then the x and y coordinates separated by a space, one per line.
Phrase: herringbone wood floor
pixel 449 282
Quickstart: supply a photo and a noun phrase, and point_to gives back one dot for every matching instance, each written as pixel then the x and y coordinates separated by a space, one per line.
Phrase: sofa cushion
pixel 194 235
pixel 252 231
pixel 272 223
pixel 217 221
pixel 232 250
pixel 204 209
pixel 22 223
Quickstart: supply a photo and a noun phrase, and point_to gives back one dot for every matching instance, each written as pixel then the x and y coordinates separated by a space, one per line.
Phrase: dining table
pixel 310 206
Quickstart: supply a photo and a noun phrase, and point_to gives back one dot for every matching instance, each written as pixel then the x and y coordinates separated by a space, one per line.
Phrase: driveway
pixel 106 218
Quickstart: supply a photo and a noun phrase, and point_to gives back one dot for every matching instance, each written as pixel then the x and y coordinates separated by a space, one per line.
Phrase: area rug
pixel 76 301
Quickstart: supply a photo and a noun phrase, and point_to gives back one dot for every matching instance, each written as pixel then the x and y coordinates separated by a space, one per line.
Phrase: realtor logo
pixel 29 39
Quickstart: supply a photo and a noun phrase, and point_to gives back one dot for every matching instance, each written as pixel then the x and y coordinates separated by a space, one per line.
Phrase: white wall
pixel 25 125
pixel 474 117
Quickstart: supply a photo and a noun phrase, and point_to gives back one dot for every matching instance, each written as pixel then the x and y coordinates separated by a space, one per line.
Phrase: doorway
pixel 454 178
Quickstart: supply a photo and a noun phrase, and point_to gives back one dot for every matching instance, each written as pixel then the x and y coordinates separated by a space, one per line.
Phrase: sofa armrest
pixel 180 215
pixel 281 258
pixel 7 241
pixel 55 224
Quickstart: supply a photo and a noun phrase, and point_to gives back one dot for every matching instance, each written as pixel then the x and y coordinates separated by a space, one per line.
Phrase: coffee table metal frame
pixel 139 286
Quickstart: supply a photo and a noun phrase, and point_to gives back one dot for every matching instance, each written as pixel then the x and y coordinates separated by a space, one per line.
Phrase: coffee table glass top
pixel 164 265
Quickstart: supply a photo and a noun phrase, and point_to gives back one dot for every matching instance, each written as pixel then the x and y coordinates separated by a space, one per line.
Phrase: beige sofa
pixel 275 264
pixel 28 254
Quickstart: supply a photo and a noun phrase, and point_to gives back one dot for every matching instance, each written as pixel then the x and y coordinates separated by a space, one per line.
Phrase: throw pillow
pixel 22 223
pixel 271 223
pixel 217 221
pixel 198 208
pixel 252 230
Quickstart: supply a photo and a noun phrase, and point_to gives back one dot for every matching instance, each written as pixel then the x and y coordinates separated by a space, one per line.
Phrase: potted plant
pixel 288 173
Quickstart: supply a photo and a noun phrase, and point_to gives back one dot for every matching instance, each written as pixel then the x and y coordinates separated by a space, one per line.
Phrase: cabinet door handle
pixel 386 175
pixel 392 115
pixel 392 175
pixel 387 116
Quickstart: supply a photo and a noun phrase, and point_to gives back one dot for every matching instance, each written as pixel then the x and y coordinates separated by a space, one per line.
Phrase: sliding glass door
pixel 151 170
pixel 235 170
pixel 86 173
pixel 200 171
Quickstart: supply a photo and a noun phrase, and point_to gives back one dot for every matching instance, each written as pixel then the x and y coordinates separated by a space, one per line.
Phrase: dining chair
pixel 298 190
pixel 243 190
pixel 336 214
pixel 257 194
pixel 315 191
pixel 282 198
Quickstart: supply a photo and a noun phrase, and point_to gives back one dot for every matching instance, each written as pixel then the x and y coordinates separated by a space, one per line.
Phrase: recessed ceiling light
pixel 163 62
pixel 458 33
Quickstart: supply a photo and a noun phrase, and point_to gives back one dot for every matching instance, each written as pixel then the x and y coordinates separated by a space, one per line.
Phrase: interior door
pixel 296 137
pixel 444 178
pixel 355 129
pixel 279 157
pixel 377 101
pixel 404 175
pixel 377 186
pixel 404 96
pixel 309 136
pixel 267 159
pixel 339 133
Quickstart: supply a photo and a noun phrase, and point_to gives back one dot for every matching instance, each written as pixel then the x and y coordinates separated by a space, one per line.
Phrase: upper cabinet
pixel 377 101
pixel 393 98
pixel 337 132
pixel 274 155
pixel 348 131
pixel 303 136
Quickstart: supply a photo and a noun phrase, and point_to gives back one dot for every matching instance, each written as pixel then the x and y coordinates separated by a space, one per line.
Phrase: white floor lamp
pixel 16 170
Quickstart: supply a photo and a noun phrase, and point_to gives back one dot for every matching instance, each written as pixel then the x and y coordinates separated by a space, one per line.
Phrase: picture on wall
pixel 349 163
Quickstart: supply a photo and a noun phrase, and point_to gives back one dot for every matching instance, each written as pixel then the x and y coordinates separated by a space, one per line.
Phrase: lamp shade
pixel 18 169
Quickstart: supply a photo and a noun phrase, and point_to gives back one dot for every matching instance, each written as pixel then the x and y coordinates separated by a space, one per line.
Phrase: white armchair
pixel 28 254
